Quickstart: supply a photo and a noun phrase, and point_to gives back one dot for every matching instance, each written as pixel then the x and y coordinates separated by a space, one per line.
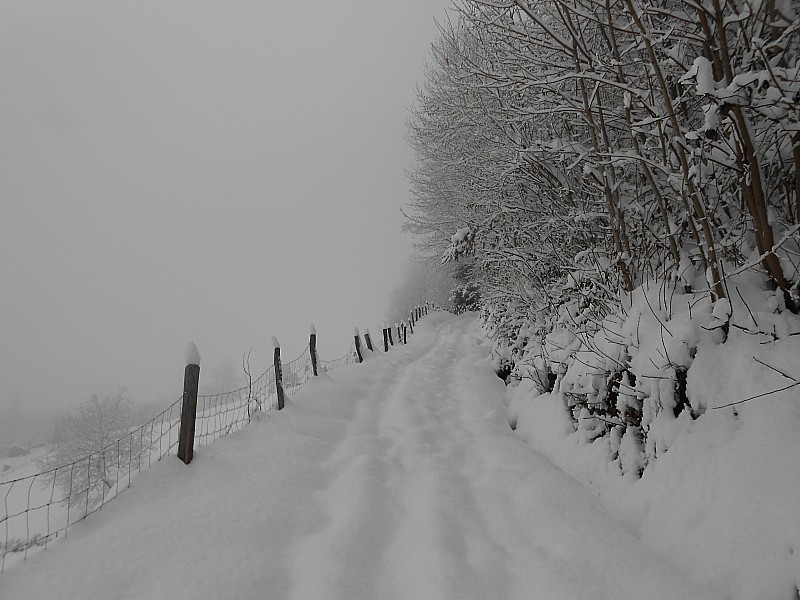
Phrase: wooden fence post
pixel 278 372
pixel 405 336
pixel 358 346
pixel 368 340
pixel 389 329
pixel 399 333
pixel 385 340
pixel 312 349
pixel 191 381
pixel 411 325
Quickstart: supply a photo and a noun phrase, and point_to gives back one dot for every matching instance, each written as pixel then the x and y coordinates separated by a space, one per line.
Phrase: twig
pixel 747 307
pixel 776 370
pixel 783 389
pixel 621 424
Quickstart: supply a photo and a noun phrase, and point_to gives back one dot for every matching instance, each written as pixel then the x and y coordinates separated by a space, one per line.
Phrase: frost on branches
pixel 624 178
pixel 96 445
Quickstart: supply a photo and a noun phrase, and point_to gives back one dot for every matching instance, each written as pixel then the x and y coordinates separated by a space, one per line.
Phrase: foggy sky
pixel 208 171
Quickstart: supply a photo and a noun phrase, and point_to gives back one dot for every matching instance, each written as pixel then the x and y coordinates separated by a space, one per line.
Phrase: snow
pixel 312 330
pixel 721 313
pixel 399 478
pixel 192 354
pixel 275 343
pixel 703 74
pixel 718 496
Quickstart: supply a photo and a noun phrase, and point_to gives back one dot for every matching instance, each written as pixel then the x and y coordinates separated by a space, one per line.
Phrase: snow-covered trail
pixel 396 479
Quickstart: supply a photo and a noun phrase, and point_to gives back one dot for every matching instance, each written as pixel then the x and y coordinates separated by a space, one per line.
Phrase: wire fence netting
pixel 41 507
pixel 38 508
pixel 348 359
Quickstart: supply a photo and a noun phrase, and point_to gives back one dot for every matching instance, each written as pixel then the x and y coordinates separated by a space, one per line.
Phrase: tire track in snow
pixel 431 496
pixel 442 547
pixel 398 479
pixel 360 509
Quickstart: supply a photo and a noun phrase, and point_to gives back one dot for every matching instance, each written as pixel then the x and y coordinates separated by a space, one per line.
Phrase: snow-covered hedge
pixel 684 416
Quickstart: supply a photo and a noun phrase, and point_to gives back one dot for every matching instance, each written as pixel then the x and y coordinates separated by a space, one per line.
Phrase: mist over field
pixel 195 171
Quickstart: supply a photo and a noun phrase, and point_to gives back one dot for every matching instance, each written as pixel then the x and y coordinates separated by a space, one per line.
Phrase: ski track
pixel 396 479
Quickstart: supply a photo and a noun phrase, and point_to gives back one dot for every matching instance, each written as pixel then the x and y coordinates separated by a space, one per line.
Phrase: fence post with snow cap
pixel 385 339
pixel 358 346
pixel 278 372
pixel 191 381
pixel 312 350
pixel 405 336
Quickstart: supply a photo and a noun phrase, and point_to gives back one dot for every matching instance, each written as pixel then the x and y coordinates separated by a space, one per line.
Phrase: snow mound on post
pixel 275 342
pixel 312 330
pixel 192 354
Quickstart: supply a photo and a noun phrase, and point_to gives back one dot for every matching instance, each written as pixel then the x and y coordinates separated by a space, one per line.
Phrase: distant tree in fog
pixel 94 446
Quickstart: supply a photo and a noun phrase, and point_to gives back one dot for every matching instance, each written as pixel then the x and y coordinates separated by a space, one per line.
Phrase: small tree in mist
pixel 94 446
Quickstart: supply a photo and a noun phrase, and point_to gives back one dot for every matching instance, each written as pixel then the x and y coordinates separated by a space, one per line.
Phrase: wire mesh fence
pixel 348 359
pixel 221 414
pixel 42 506
pixel 38 508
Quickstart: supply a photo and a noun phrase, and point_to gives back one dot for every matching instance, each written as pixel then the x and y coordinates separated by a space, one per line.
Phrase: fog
pixel 204 171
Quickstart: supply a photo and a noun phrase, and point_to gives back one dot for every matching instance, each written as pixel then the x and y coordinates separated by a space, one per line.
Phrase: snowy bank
pixel 684 417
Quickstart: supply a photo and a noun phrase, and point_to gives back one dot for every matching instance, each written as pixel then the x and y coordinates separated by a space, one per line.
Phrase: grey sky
pixel 209 171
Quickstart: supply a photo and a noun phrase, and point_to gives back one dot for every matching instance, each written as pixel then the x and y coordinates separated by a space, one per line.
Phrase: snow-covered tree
pixel 604 142
pixel 94 446
pixel 583 153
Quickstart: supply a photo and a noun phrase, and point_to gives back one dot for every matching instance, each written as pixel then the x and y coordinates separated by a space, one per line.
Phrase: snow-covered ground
pixel 399 478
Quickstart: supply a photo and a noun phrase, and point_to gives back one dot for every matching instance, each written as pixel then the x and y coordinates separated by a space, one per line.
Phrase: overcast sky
pixel 191 170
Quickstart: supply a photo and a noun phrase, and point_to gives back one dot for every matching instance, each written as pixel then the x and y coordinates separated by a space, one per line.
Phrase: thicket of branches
pixel 575 149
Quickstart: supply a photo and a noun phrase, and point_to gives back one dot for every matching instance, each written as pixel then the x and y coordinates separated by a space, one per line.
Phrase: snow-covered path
pixel 396 479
